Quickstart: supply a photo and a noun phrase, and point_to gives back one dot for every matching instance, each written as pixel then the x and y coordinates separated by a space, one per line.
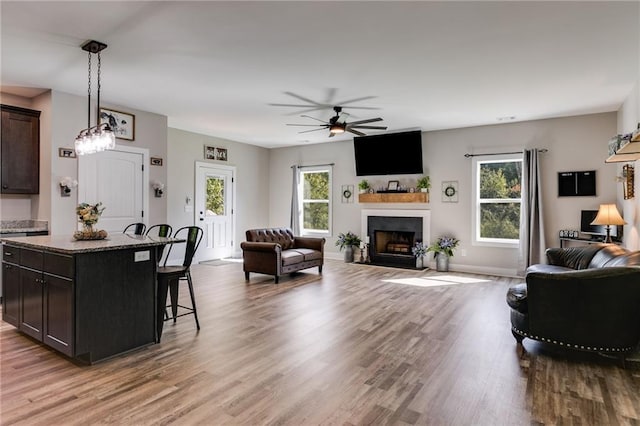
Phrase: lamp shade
pixel 608 215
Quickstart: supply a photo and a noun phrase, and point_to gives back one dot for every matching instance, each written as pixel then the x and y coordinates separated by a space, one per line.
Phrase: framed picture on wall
pixel 123 124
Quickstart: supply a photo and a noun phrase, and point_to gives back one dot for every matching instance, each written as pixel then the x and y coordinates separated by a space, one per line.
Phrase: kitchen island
pixel 90 300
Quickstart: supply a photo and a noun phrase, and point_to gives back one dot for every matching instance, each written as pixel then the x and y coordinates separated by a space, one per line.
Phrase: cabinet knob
pixel 8 253
pixel 5 186
pixel 7 266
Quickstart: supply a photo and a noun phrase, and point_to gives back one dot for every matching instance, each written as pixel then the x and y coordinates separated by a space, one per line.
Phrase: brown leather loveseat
pixel 276 251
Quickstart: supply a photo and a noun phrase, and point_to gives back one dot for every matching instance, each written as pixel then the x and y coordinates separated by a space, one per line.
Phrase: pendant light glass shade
pixel 99 137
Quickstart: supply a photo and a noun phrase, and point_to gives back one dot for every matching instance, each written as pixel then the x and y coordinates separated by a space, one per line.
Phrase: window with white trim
pixel 497 188
pixel 314 199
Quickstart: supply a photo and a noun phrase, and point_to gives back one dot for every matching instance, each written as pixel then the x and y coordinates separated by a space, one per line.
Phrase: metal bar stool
pixel 136 228
pixel 170 276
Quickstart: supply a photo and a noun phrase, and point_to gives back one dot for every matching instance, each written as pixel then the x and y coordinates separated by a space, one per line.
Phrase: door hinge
pixel 142 213
pixel 233 180
pixel 142 165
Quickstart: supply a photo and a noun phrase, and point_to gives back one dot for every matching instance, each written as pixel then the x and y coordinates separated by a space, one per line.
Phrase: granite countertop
pixel 17 226
pixel 67 245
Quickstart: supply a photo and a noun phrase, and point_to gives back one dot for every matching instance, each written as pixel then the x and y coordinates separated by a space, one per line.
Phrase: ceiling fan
pixel 338 124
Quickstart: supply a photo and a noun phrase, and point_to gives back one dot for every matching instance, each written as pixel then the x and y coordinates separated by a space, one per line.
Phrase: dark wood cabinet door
pixel 20 151
pixel 11 294
pixel 58 313
pixel 31 302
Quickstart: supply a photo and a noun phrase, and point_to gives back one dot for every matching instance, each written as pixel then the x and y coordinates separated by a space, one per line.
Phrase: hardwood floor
pixel 349 347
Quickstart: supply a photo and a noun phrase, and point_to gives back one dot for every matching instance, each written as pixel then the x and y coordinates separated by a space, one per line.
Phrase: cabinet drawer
pixel 10 254
pixel 31 258
pixel 58 264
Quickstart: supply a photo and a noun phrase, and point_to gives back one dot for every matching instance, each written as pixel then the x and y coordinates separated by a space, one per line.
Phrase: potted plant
pixel 364 186
pixel 347 242
pixel 443 249
pixel 419 250
pixel 424 183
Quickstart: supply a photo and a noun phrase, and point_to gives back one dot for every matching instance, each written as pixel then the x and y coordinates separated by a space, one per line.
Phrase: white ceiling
pixel 218 68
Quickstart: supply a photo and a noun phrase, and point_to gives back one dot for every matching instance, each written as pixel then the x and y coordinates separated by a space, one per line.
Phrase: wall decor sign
pixel 123 124
pixel 214 153
pixel 66 152
pixel 156 161
pixel 347 193
pixel 450 191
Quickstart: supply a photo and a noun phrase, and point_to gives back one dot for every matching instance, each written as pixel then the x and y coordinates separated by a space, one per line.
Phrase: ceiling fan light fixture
pixel 336 128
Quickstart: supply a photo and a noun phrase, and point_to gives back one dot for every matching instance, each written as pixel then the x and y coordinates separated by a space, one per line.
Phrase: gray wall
pixel 252 187
pixel 574 143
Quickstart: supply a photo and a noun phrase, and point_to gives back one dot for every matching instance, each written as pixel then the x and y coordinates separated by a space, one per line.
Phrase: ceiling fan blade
pixel 307 125
pixel 355 132
pixel 364 98
pixel 313 118
pixel 367 127
pixel 342 117
pixel 302 98
pixel 312 130
pixel 370 120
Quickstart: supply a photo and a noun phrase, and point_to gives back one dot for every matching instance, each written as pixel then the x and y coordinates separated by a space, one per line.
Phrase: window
pixel 497 190
pixel 315 201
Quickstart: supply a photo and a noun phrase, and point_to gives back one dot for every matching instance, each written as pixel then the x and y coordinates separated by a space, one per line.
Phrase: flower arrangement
pixel 89 214
pixel 444 245
pixel 347 240
pixel 419 249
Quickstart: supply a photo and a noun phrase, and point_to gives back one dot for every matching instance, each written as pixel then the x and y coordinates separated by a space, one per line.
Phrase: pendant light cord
pixel 98 110
pixel 89 95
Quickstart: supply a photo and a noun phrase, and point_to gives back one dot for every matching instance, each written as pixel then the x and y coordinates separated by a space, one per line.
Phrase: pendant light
pixel 99 137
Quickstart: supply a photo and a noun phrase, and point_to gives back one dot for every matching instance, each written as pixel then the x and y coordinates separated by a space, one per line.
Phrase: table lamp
pixel 608 215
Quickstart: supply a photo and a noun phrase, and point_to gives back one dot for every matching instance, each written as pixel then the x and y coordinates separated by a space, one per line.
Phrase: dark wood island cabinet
pixel 89 300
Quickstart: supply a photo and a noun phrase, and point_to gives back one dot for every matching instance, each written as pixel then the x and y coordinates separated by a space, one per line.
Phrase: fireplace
pixel 392 234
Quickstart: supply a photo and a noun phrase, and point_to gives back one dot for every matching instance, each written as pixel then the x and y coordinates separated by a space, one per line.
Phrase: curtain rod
pixel 543 150
pixel 313 165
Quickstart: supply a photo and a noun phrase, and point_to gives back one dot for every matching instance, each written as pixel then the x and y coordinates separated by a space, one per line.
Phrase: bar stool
pixel 136 228
pixel 170 276
pixel 160 230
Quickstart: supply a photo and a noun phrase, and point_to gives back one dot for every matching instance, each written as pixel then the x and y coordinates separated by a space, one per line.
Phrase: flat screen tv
pixel 595 231
pixel 389 154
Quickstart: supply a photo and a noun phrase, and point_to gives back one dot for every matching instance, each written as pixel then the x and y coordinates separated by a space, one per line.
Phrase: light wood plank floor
pixel 357 345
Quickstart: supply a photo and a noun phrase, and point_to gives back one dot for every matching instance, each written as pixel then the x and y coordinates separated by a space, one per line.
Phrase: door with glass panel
pixel 214 202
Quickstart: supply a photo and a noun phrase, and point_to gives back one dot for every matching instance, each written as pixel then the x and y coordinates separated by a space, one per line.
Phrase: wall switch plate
pixel 141 256
pixel 463 252
pixel 188 209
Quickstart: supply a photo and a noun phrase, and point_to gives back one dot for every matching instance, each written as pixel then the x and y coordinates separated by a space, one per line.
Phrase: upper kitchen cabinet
pixel 20 152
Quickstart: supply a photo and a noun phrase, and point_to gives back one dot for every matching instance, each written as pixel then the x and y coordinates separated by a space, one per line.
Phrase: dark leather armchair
pixel 586 298
pixel 276 251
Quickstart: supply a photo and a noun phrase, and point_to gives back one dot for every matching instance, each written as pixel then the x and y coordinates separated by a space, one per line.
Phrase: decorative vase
pixel 442 262
pixel 420 262
pixel 88 228
pixel 348 254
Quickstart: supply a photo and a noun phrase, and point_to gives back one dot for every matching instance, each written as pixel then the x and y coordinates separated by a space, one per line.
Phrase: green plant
pixel 347 240
pixel 444 245
pixel 364 184
pixel 424 182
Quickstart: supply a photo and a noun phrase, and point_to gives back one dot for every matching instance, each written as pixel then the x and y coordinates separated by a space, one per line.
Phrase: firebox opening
pixel 394 242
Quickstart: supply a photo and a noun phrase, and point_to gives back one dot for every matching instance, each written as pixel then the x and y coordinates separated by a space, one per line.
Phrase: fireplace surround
pixel 392 233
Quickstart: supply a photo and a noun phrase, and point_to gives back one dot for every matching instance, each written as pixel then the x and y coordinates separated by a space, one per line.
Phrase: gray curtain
pixel 532 242
pixel 295 214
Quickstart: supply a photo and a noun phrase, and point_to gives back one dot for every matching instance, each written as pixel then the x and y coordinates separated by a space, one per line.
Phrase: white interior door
pixel 214 203
pixel 117 179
